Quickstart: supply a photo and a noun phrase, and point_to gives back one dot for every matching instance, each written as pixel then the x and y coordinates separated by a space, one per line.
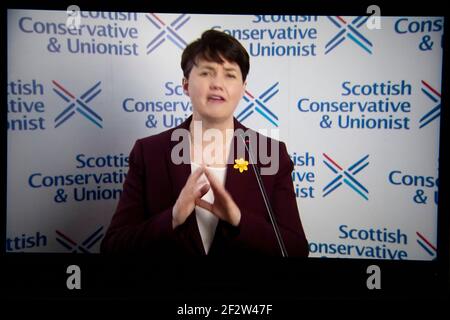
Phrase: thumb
pixel 202 191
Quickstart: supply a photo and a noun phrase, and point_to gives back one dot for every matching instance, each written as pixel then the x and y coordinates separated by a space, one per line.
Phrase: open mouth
pixel 216 98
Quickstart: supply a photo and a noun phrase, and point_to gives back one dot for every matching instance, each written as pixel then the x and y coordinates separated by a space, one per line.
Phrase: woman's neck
pixel 210 142
pixel 206 124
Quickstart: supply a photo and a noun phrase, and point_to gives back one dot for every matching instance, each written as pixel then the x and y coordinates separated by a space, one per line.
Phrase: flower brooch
pixel 241 165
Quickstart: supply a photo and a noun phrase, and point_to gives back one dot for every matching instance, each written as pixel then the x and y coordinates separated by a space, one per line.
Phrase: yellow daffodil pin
pixel 241 164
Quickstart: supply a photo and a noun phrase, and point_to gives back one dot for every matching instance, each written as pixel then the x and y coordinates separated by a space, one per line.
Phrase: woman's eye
pixel 231 76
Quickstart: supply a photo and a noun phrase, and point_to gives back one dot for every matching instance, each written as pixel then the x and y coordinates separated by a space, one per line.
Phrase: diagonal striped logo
pixel 435 112
pixel 167 31
pixel 425 244
pixel 259 104
pixel 349 31
pixel 83 247
pixel 346 176
pixel 76 104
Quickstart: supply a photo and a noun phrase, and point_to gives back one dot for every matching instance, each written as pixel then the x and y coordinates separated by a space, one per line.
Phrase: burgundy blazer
pixel 143 218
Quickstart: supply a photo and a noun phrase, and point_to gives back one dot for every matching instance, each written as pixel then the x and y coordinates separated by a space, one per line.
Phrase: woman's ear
pixel 185 84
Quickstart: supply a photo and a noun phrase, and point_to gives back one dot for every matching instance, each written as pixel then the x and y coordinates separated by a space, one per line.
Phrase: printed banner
pixel 357 107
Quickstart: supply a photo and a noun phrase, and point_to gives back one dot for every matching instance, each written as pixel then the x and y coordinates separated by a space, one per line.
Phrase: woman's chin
pixel 215 117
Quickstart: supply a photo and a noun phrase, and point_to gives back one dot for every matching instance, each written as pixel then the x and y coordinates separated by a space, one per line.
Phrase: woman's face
pixel 215 89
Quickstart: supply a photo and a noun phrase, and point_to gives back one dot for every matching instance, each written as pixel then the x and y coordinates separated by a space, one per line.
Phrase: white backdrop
pixel 358 109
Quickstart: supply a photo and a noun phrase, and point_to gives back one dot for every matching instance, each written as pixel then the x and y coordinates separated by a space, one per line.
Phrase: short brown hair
pixel 215 46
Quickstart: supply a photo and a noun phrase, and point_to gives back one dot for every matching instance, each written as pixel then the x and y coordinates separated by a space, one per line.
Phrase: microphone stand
pixel 266 202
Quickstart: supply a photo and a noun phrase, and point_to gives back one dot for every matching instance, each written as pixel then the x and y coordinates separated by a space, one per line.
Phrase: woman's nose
pixel 217 82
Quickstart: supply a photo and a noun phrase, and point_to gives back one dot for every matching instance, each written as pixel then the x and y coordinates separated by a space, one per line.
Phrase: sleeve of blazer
pixel 132 228
pixel 255 230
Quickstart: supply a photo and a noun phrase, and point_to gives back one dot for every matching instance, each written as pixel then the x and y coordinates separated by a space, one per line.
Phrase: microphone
pixel 266 201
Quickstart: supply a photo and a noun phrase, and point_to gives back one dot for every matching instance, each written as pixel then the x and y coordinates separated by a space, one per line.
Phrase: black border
pixel 41 277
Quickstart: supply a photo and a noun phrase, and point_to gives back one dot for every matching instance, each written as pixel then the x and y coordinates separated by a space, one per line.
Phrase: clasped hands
pixel 223 206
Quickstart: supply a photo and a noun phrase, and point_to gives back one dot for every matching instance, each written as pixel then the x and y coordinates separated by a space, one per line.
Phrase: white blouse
pixel 206 220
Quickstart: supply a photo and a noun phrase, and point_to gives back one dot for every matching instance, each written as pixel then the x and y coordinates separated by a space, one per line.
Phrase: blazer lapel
pixel 236 182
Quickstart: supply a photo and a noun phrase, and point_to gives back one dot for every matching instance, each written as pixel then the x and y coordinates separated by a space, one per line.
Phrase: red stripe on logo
pixel 329 159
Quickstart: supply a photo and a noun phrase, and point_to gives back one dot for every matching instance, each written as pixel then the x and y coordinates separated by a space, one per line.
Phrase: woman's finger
pixel 215 184
pixel 195 176
pixel 202 191
pixel 204 204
